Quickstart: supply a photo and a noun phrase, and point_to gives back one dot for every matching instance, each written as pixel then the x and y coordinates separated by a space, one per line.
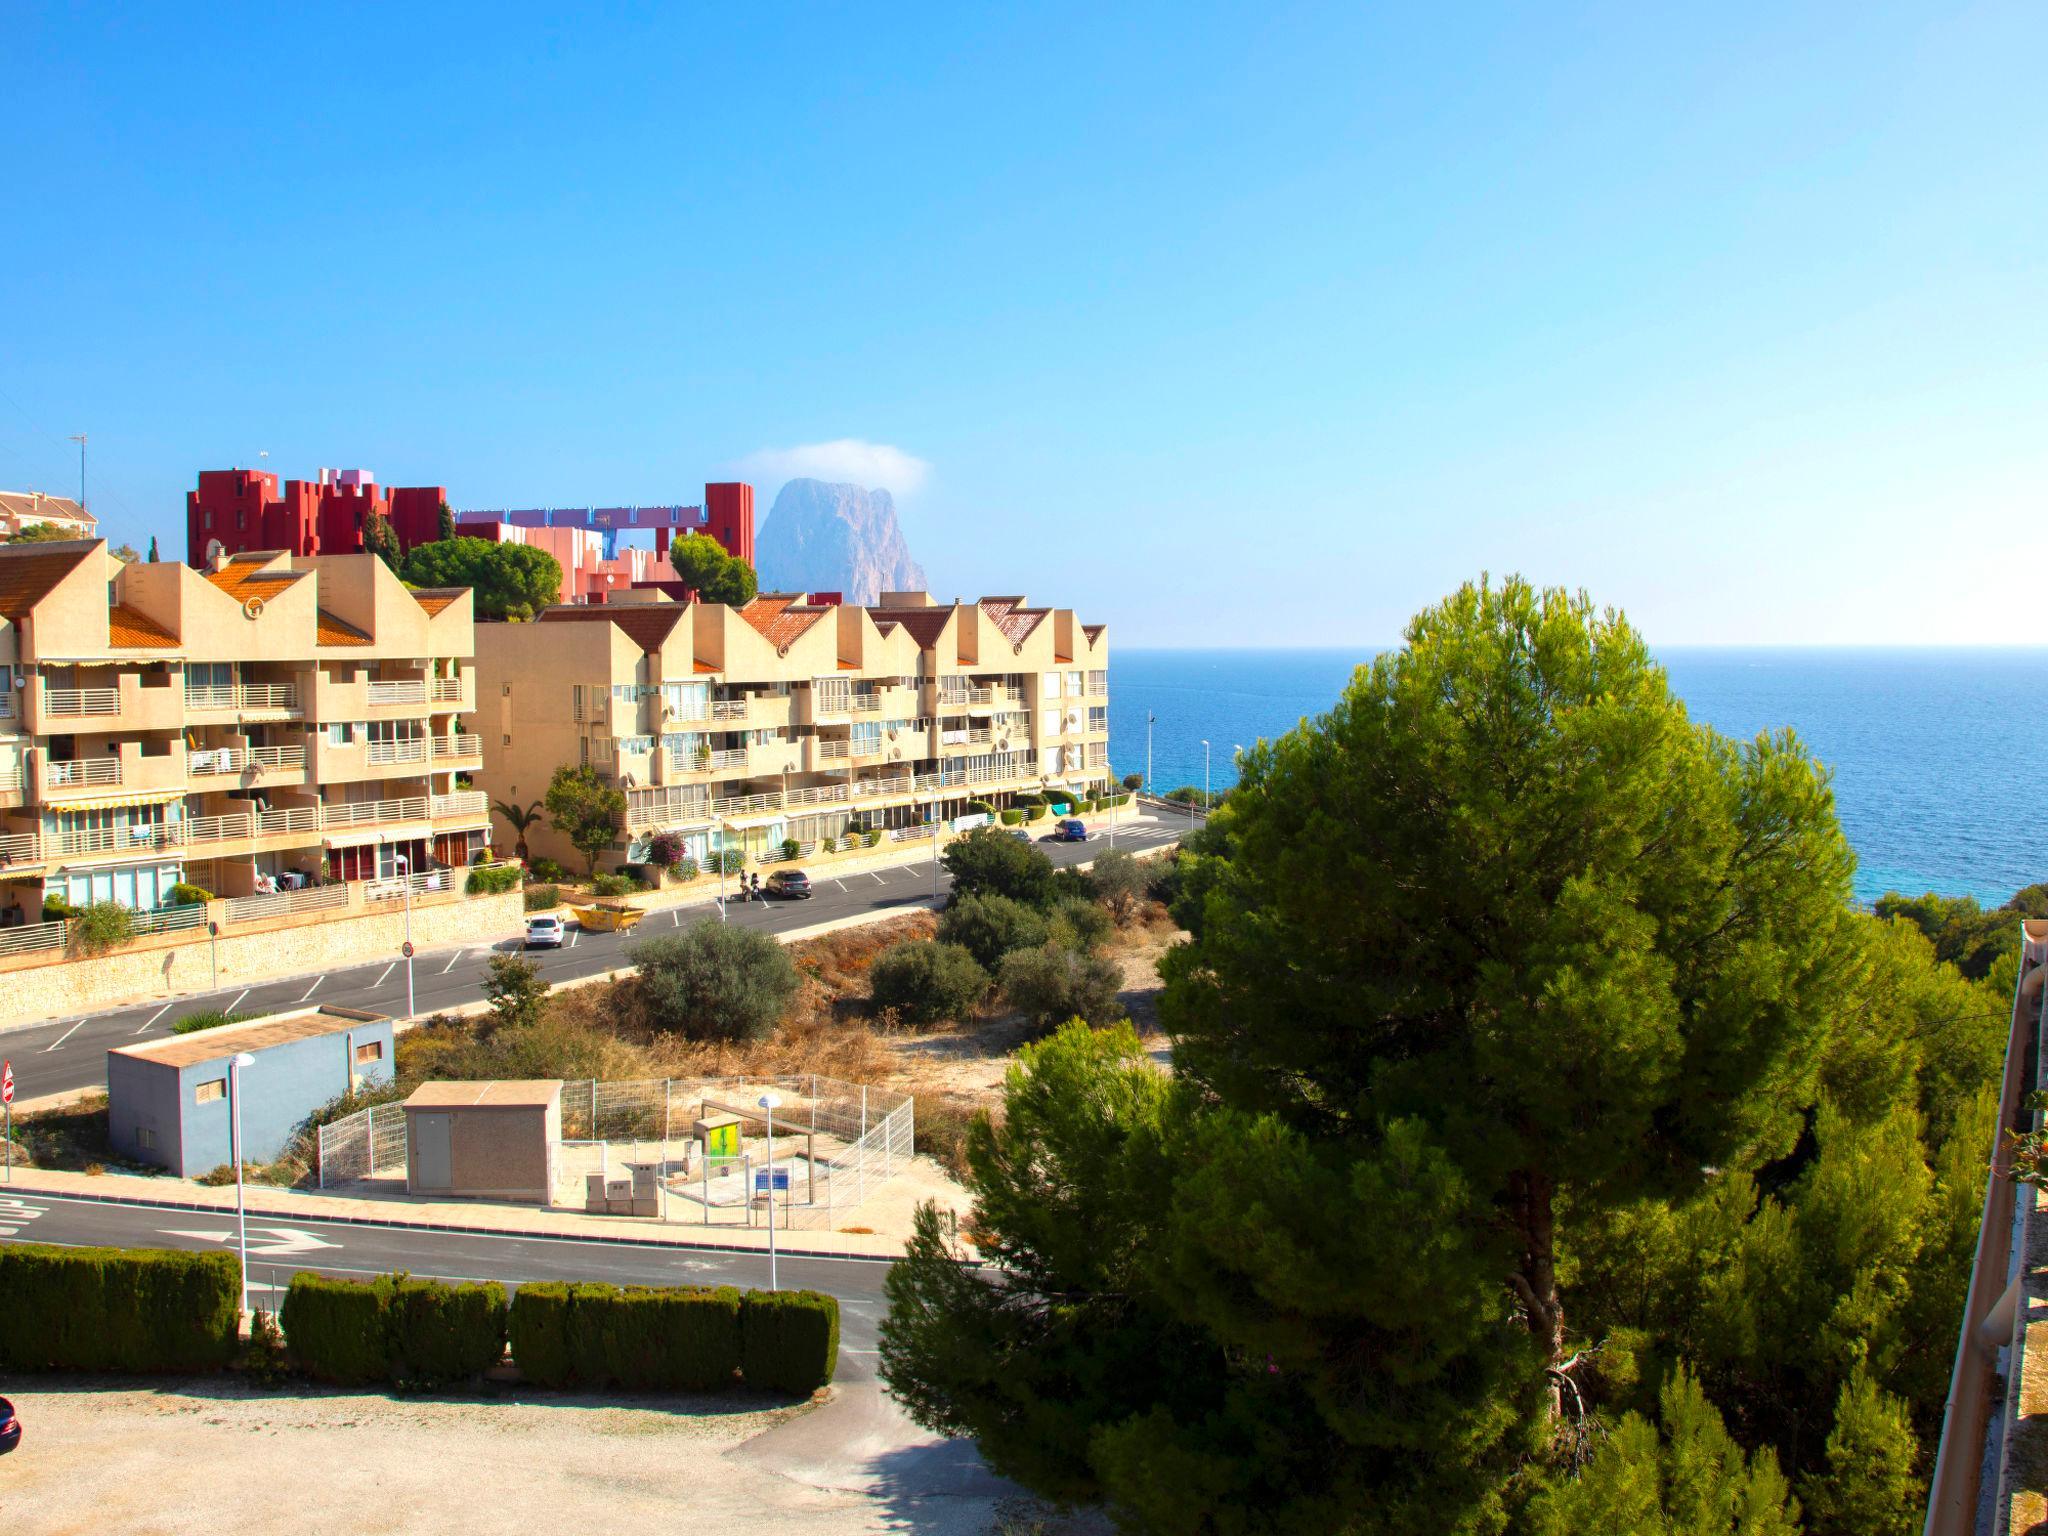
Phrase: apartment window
pixel 508 741
pixel 1049 685
pixel 373 1051
pixel 145 1139
pixel 207 1092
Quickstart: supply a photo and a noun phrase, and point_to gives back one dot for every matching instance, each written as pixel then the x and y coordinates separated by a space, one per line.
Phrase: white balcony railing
pixel 447 690
pixel 20 848
pixel 69 703
pixel 729 709
pixel 832 750
pixel 246 696
pixel 412 750
pixel 818 794
pixel 370 812
pixel 463 805
pixel 458 746
pixel 208 762
pixel 84 771
pixel 412 690
pixel 735 757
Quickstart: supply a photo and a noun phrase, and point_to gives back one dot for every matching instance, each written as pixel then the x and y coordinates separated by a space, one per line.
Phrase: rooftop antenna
pixel 79 438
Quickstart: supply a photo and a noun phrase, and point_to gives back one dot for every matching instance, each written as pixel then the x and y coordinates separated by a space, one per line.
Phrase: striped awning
pixel 111 801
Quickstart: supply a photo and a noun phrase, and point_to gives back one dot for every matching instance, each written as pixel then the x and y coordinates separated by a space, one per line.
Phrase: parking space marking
pixel 451 962
pixel 62 1038
pixel 153 1018
pixel 381 975
pixel 315 987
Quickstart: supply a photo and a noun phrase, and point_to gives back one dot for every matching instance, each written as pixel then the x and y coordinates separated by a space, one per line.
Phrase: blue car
pixel 1069 832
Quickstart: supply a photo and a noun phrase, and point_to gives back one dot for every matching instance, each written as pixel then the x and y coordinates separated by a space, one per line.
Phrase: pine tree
pixel 447 521
pixel 1869 1488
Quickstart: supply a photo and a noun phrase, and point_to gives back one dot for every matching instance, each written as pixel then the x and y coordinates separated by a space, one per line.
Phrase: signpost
pixel 771 1101
pixel 7 1103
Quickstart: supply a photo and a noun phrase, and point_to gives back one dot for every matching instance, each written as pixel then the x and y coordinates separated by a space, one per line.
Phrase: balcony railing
pixel 833 750
pixel 465 804
pixel 220 760
pixel 735 757
pixel 667 805
pixel 413 750
pixel 84 771
pixel 68 703
pixel 369 812
pixel 867 703
pixel 130 839
pixel 247 696
pixel 411 690
pixel 729 709
pixel 818 794
pixel 447 690
pixel 458 746
pixel 743 805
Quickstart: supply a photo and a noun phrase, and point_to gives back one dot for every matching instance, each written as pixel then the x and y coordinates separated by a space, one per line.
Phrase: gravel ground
pixel 217 1454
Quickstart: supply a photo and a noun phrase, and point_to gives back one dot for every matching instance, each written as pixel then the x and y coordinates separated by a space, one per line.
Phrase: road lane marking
pixel 876 878
pixel 574 937
pixel 237 1002
pixel 153 1018
pixel 386 972
pixel 451 962
pixel 282 1242
pixel 675 917
pixel 62 1038
pixel 316 982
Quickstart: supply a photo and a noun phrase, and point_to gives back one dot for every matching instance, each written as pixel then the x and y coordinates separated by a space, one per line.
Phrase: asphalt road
pixel 70 1054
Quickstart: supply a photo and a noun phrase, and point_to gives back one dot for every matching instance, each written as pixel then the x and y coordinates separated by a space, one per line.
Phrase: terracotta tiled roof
pixel 30 572
pixel 1093 631
pixel 243 577
pixel 333 631
pixel 925 624
pixel 434 599
pixel 781 617
pixel 30 507
pixel 647 625
pixel 133 628
pixel 1015 623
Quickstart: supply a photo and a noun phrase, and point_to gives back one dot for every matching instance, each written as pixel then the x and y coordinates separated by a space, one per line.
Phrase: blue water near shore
pixel 1932 750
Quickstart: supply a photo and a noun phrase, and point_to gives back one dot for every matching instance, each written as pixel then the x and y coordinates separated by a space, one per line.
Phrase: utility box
pixel 168 1101
pixel 488 1141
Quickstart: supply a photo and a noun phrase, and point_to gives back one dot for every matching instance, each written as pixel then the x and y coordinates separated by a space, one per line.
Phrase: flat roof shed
pixel 167 1100
pixel 484 1140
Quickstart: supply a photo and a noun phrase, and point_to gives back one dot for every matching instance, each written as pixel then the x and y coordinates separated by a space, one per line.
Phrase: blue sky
pixel 1259 325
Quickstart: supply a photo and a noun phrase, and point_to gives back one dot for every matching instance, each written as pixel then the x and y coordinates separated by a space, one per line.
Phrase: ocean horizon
pixel 1926 745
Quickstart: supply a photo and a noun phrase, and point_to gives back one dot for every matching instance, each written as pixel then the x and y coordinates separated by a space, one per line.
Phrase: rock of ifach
pixel 821 537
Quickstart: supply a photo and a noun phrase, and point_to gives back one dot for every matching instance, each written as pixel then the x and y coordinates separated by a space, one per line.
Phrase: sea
pixel 1930 750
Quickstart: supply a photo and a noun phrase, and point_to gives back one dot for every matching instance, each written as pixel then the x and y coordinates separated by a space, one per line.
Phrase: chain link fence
pixel 837 1141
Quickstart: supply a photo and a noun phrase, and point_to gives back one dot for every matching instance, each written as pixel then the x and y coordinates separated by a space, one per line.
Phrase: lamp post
pixel 935 847
pixel 405 873
pixel 1149 718
pixel 79 438
pixel 236 1064
pixel 770 1102
pixel 1205 778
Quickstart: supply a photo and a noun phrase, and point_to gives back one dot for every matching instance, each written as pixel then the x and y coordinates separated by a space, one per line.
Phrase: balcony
pixel 464 807
pixel 275 766
pixel 458 747
pixel 242 699
pixel 381 754
pixel 85 773
pixel 666 807
pixel 832 749
pixel 721 762
pixel 730 709
pixel 126 705
pixel 382 692
pixel 78 703
pixel 448 690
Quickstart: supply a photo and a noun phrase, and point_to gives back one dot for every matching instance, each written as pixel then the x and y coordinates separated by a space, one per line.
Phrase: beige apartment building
pixel 25 509
pixel 743 727
pixel 264 724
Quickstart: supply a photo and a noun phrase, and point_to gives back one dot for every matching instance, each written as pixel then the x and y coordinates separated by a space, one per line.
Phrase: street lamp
pixel 935 847
pixel 770 1102
pixel 236 1065
pixel 405 874
pixel 1149 718
pixel 1205 778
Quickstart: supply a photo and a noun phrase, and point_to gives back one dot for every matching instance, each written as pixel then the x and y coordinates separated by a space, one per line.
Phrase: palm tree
pixel 520 820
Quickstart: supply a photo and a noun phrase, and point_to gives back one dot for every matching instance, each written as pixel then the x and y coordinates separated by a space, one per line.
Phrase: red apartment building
pixel 243 509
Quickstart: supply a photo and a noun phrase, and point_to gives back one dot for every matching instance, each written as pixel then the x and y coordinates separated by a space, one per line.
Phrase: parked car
pixel 544 931
pixel 1068 832
pixel 1020 834
pixel 789 884
pixel 10 1427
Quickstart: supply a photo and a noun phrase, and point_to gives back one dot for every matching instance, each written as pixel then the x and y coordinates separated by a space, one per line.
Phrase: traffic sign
pixel 405 949
pixel 6 1082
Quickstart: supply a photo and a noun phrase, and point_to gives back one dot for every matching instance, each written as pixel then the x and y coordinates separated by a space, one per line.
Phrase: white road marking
pixel 877 878
pixel 386 972
pixel 281 1242
pixel 451 962
pixel 237 1002
pixel 316 982
pixel 675 917
pixel 62 1038
pixel 153 1018
pixel 840 883
pixel 574 937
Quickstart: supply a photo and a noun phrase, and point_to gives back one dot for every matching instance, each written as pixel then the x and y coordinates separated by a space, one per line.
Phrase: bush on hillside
pixel 988 861
pixel 549 870
pixel 926 982
pixel 614 885
pixel 989 926
pixel 117 1309
pixel 1052 984
pixel 1078 924
pixel 715 981
pixel 1119 883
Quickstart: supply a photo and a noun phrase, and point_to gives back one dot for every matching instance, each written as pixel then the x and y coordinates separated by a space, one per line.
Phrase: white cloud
pixel 848 460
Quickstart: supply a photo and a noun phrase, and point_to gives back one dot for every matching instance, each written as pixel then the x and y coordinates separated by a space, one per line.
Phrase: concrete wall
pixel 143 1095
pixel 288 1082
pixel 287 946
pixel 495 1152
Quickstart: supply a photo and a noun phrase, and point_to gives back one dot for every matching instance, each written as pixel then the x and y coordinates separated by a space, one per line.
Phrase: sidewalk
pixel 473 1216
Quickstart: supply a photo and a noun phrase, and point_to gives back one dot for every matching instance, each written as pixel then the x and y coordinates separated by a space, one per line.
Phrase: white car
pixel 544 932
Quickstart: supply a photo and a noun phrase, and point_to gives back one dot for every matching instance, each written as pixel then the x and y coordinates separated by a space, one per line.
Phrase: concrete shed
pixel 167 1100
pixel 494 1141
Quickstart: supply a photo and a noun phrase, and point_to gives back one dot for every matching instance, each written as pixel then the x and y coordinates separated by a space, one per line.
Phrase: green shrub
pixel 613 885
pixel 989 926
pixel 789 1341
pixel 1033 812
pixel 1052 984
pixel 543 898
pixel 1119 882
pixel 730 861
pixel 549 870
pixel 664 849
pixel 1027 798
pixel 100 927
pixel 492 879
pixel 444 1333
pixel 927 982
pixel 682 870
pixel 56 909
pixel 1078 924
pixel 334 1329
pixel 980 808
pixel 873 836
pixel 539 1328
pixel 683 1338
pixel 184 895
pixel 986 860
pixel 117 1309
pixel 1012 817
pixel 791 847
pixel 715 981
pixel 209 1018
pixel 828 845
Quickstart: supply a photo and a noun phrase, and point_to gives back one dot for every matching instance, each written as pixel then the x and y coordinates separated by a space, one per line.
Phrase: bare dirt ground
pixel 216 1454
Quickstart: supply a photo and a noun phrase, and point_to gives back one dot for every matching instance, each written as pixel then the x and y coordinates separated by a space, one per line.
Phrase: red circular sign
pixel 406 949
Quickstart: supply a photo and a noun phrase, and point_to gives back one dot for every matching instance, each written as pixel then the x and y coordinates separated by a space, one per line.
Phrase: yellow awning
pixel 109 802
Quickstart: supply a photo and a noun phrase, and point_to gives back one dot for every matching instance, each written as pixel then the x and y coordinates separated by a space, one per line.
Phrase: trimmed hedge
pixel 393 1328
pixel 117 1309
pixel 673 1338
pixel 492 879
pixel 1012 817
pixel 543 898
pixel 789 1341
